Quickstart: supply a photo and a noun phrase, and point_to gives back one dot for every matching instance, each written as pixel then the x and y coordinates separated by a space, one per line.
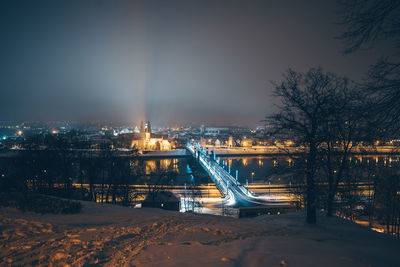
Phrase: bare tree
pixel 367 23
pixel 383 85
pixel 157 181
pixel 346 125
pixel 305 104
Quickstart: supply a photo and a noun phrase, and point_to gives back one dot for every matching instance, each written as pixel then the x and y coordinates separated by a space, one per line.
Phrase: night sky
pixel 172 62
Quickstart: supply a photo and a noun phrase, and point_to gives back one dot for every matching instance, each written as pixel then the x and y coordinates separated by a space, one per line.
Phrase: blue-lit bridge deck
pixel 236 194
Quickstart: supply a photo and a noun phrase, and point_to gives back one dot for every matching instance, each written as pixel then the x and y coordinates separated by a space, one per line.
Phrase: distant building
pixel 230 141
pixel 246 142
pixel 146 140
pixel 215 131
pixel 202 129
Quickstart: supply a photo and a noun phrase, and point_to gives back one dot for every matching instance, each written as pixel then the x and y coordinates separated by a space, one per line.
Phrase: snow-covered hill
pixel 116 236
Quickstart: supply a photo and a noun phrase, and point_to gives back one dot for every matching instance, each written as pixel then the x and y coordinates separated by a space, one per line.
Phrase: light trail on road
pixel 236 194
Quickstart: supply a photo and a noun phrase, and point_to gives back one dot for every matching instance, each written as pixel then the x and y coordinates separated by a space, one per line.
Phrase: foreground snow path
pixel 109 235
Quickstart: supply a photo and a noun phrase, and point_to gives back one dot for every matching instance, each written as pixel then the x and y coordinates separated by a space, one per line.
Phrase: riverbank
pixel 284 151
pixel 117 236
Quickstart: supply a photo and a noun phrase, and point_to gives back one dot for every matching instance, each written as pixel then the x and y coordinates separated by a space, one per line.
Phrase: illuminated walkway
pixel 235 193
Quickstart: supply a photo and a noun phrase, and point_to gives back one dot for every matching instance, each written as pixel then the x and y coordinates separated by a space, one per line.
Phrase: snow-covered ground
pixel 117 236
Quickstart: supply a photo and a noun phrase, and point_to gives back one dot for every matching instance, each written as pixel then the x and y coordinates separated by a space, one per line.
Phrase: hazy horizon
pixel 173 63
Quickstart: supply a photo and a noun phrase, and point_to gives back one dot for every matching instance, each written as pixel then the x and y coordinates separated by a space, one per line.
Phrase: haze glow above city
pixel 179 63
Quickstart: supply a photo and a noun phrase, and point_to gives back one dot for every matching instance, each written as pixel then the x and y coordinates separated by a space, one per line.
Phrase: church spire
pixel 148 128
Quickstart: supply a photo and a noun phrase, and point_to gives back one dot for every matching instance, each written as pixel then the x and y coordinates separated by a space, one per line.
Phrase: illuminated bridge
pixel 236 194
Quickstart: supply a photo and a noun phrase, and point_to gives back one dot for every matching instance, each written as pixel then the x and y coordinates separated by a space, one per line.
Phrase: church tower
pixel 148 128
pixel 148 131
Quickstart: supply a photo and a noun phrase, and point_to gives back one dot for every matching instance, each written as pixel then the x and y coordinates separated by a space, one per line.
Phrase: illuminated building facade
pixel 146 140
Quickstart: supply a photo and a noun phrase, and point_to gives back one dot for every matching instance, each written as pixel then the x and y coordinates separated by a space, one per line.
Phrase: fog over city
pixel 185 62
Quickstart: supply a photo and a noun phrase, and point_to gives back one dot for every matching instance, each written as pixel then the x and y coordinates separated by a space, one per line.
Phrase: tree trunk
pixel 329 208
pixel 310 198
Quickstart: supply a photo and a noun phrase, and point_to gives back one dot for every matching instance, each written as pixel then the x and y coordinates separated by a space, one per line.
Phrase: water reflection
pixel 260 163
pixel 175 168
pixel 150 166
pixel 257 169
